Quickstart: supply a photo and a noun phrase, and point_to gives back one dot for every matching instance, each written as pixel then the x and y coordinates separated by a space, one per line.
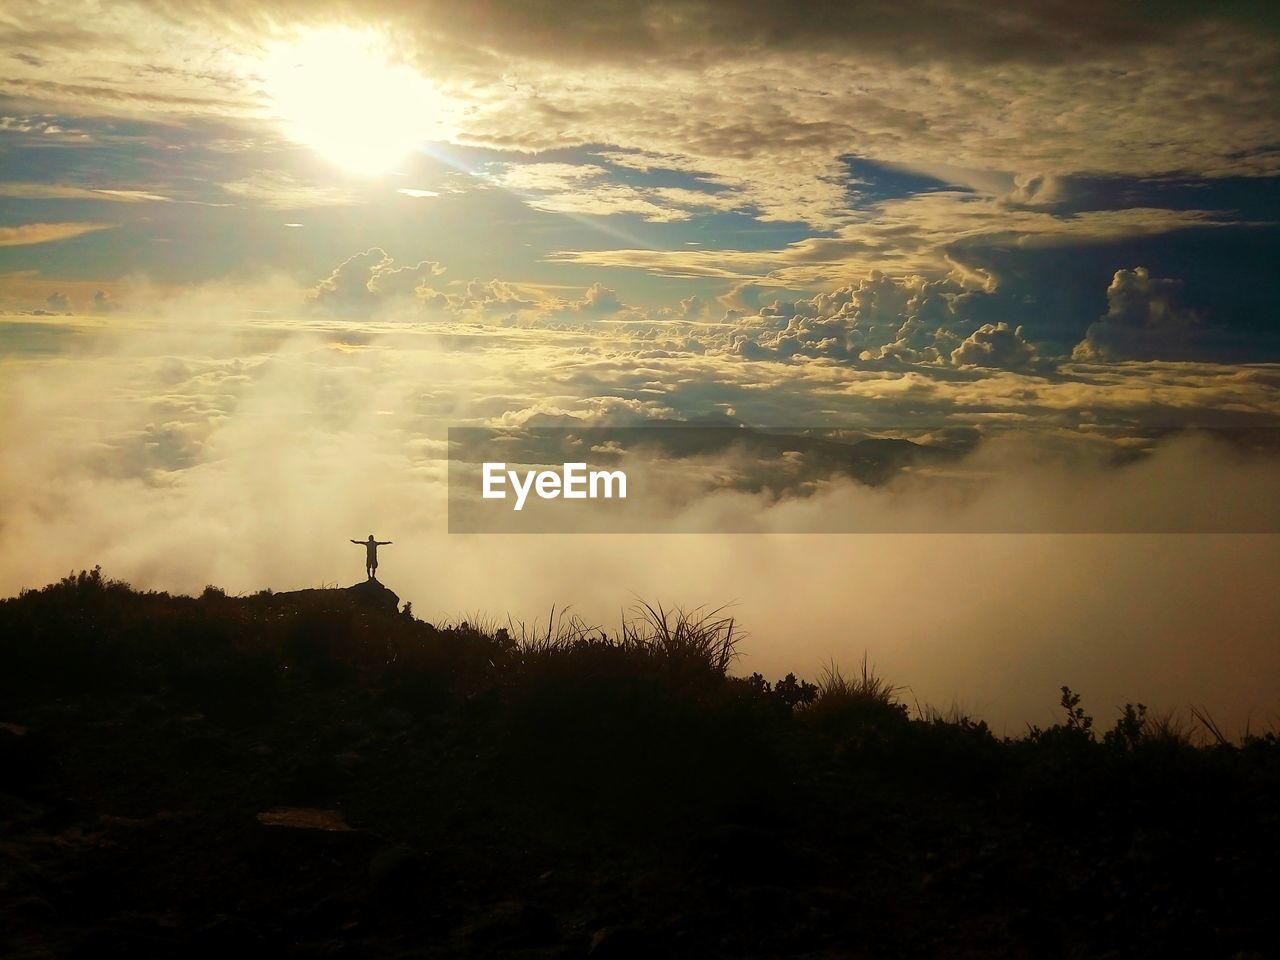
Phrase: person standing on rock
pixel 371 554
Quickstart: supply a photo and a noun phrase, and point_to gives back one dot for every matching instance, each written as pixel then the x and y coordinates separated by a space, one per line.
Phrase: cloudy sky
pixel 255 262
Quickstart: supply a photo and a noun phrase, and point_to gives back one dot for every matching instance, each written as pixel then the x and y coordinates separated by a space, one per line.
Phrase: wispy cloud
pixel 29 234
pixel 285 192
pixel 28 190
pixel 933 233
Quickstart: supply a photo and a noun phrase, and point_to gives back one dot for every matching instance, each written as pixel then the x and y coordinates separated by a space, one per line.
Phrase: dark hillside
pixel 317 774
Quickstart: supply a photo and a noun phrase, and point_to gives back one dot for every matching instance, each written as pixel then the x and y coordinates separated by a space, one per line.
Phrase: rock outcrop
pixel 371 593
pixel 368 593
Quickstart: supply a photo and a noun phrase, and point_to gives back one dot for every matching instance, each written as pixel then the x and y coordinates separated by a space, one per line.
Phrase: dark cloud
pixel 1144 321
pixel 586 31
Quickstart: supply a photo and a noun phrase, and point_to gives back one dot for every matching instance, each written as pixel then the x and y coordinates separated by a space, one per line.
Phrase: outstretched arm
pixel 384 543
pixel 357 542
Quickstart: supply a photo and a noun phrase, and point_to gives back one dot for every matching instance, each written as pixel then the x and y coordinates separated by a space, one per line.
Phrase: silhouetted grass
pixel 839 694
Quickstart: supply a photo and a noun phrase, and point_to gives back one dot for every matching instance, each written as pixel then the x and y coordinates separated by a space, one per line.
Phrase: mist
pixel 211 450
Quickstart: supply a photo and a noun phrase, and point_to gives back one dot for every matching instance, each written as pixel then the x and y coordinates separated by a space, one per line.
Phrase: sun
pixel 342 92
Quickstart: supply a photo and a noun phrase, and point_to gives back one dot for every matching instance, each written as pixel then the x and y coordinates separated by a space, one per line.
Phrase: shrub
pixel 860 715
pixel 866 694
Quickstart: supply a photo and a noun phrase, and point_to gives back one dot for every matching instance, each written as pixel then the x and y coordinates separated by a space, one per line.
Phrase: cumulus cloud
pixel 1143 322
pixel 365 281
pixel 370 281
pixel 881 318
pixel 348 287
pixel 487 297
pixel 691 308
pixel 386 280
pixel 58 301
pixel 598 299
pixel 103 302
pixel 996 345
pixel 900 350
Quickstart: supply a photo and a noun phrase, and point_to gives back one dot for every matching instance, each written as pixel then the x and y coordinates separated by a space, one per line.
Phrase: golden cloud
pixel 29 234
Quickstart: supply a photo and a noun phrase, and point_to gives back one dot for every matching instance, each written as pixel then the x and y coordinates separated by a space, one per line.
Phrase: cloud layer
pixel 211 448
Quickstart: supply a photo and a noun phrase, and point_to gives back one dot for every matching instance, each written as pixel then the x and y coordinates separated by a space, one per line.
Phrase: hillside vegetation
pixel 319 774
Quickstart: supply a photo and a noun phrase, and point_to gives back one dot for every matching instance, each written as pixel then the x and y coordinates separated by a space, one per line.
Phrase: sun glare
pixel 341 92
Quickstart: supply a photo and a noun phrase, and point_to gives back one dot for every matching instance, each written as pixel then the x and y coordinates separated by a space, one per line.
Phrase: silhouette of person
pixel 371 554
